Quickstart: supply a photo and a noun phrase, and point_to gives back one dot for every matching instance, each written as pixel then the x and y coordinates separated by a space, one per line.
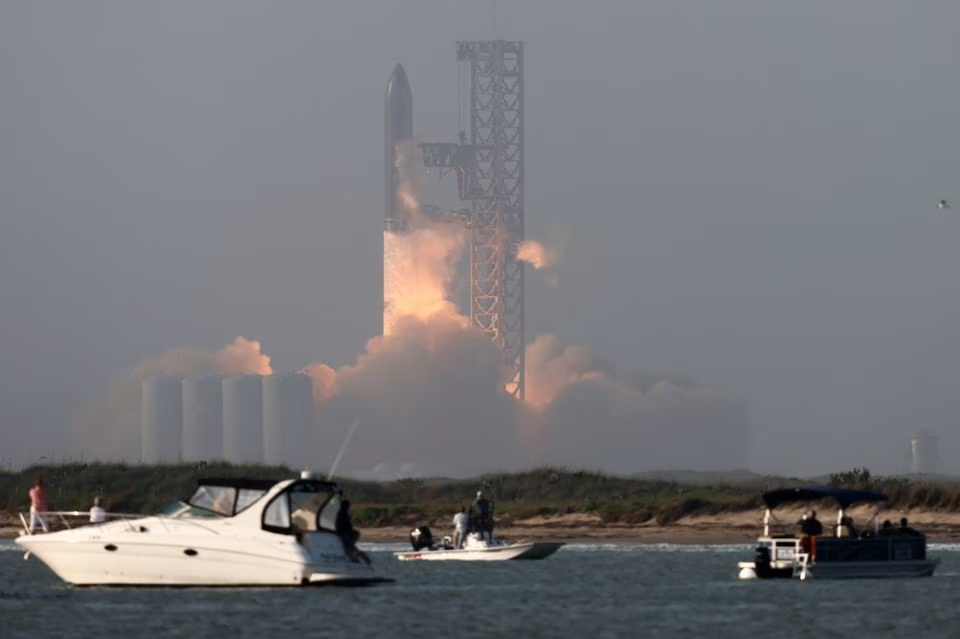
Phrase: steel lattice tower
pixel 495 178
pixel 489 165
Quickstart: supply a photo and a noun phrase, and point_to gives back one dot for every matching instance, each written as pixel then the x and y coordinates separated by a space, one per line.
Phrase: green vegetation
pixel 540 492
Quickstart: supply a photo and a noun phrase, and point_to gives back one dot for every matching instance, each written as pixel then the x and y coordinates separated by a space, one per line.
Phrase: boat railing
pixel 61 519
pixel 69 519
pixel 840 549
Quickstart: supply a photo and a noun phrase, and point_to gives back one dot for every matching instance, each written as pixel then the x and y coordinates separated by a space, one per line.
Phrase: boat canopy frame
pixel 844 497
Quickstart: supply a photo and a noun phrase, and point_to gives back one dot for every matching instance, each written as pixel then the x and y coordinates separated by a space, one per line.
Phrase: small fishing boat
pixel 476 547
pixel 230 532
pixel 845 553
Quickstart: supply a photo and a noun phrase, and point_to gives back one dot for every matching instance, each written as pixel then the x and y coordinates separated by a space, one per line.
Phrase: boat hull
pixel 844 570
pixel 507 552
pixel 87 557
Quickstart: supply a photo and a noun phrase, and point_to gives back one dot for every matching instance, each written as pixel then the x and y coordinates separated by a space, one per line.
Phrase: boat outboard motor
pixel 421 537
pixel 761 560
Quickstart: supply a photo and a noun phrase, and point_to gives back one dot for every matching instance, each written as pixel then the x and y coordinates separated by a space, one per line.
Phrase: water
pixel 585 590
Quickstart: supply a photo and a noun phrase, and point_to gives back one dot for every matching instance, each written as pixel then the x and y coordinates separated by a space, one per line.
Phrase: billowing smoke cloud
pixel 430 394
pixel 419 264
pixel 430 391
pixel 626 423
pixel 418 269
pixel 110 429
pixel 536 254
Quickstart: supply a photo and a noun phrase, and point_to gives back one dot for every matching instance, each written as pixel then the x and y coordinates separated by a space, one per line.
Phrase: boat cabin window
pixel 225 500
pixel 303 507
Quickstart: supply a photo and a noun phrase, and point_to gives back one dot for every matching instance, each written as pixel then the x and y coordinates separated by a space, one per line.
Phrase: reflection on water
pixel 594 590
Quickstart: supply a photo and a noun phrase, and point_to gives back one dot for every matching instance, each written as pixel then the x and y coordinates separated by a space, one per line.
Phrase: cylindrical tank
pixel 288 418
pixel 161 419
pixel 203 418
pixel 924 455
pixel 243 419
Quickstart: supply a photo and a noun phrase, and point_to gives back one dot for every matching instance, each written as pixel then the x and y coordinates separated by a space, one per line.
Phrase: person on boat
pixel 223 504
pixel 461 525
pixel 887 530
pixel 847 529
pixel 349 535
pixel 906 531
pixel 810 528
pixel 483 516
pixel 97 513
pixel 38 506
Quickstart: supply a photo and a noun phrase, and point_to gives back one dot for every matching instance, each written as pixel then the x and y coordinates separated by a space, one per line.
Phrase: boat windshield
pixel 183 509
pixel 225 500
pixel 305 506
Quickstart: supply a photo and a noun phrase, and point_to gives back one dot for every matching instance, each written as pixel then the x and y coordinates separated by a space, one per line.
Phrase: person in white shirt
pixel 97 514
pixel 461 524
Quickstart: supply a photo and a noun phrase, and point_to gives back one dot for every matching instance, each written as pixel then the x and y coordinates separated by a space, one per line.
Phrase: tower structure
pixel 489 164
pixel 924 453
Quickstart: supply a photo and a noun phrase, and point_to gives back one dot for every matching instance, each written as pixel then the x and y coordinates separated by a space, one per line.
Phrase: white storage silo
pixel 243 419
pixel 161 423
pixel 203 418
pixel 288 420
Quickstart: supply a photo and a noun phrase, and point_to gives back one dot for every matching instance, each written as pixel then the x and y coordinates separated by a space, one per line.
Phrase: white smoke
pixel 536 254
pixel 430 391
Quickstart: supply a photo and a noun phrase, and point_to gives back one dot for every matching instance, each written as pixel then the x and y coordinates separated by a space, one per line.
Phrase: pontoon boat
pixel 840 552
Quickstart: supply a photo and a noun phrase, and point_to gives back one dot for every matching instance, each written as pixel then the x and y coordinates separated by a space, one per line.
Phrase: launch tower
pixel 489 164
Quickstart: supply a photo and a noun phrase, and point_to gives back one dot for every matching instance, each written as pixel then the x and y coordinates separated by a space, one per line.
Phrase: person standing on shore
pixel 38 506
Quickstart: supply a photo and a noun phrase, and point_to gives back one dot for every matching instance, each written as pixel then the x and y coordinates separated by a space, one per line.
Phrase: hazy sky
pixel 748 189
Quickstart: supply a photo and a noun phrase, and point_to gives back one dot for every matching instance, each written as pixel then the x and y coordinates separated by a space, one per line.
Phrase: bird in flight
pixel 943 204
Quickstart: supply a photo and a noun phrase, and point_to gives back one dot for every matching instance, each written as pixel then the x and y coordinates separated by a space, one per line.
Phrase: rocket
pixel 398 127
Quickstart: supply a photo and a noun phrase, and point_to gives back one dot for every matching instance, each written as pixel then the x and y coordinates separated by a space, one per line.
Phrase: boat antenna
pixel 343 447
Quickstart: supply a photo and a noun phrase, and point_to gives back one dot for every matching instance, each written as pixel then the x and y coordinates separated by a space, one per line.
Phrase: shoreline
pixel 673 534
pixel 718 529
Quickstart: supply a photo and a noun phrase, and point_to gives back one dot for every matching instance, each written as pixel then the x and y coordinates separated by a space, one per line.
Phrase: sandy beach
pixel 727 528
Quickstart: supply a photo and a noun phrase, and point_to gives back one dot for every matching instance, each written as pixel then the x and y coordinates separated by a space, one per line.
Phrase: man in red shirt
pixel 38 506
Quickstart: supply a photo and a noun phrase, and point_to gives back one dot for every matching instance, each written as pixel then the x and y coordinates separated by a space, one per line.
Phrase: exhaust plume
pixel 536 254
pixel 429 392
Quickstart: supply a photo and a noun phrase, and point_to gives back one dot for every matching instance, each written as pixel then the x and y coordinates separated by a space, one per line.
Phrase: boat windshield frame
pixel 228 497
pixel 313 502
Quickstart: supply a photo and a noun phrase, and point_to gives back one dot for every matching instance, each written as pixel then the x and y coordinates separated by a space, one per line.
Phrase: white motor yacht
pixel 230 532
pixel 476 547
pixel 841 553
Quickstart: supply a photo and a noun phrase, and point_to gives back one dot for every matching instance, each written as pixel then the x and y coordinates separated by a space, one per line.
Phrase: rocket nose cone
pixel 397 84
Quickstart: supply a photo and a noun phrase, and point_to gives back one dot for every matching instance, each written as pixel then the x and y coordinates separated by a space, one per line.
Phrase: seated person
pixel 348 534
pixel 97 513
pixel 906 531
pixel 847 529
pixel 886 530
